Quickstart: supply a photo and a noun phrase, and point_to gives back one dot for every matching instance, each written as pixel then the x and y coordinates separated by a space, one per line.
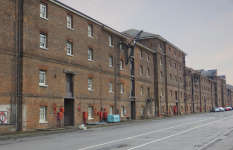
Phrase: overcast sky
pixel 201 28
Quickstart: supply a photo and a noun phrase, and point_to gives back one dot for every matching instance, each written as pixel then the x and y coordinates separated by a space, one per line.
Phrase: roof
pixel 87 17
pixel 229 86
pixel 207 73
pixel 223 76
pixel 147 35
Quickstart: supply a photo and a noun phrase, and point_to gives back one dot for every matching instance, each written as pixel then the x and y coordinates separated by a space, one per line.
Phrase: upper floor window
pixel 90 30
pixel 110 86
pixel 161 75
pixel 147 56
pixel 122 88
pixel 180 80
pixel 110 40
pixel 161 93
pixel 170 65
pixel 176 78
pixel 42 77
pixel 170 93
pixel 140 53
pixel 180 68
pixel 179 55
pixel 43 40
pixel 175 65
pixel 174 53
pixel 110 61
pixel 90 80
pixel 141 70
pixel 90 54
pixel 160 60
pixel 121 46
pixel 148 72
pixel 160 45
pixel 141 90
pixel 69 21
pixel 170 76
pixel 43 10
pixel 169 50
pixel 121 64
pixel 69 48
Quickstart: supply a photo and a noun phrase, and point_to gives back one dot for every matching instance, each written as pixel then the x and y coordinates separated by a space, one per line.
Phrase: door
pixel 133 116
pixel 69 112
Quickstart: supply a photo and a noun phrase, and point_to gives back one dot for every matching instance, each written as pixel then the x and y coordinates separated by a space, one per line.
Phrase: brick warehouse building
pixel 55 56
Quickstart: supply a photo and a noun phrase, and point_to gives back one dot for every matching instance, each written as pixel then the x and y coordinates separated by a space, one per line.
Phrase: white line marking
pixel 142 134
pixel 175 134
pixel 215 139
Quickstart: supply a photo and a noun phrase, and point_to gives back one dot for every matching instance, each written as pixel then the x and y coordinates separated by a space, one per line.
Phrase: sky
pixel 201 28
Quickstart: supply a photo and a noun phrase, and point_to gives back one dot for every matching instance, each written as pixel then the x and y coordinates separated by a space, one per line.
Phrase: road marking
pixel 176 134
pixel 142 134
pixel 215 139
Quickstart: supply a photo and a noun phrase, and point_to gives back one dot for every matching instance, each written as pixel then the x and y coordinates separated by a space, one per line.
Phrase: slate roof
pixel 208 73
pixel 145 35
pixel 229 86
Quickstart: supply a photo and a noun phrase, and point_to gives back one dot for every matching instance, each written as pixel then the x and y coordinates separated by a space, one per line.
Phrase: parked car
pixel 215 110
pixel 230 108
pixel 221 109
pixel 227 108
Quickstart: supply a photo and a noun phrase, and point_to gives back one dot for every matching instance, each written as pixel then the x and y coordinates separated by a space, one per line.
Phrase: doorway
pixel 133 110
pixel 69 112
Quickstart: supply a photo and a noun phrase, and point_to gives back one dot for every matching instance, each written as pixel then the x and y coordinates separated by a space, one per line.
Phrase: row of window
pixel 169 50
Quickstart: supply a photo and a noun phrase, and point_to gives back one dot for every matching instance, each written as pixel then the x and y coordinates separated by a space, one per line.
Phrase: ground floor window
pixel 122 111
pixel 43 110
pixel 141 110
pixel 111 110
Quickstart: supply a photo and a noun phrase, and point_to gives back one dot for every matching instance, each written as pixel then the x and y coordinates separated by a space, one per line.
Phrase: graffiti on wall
pixel 3 117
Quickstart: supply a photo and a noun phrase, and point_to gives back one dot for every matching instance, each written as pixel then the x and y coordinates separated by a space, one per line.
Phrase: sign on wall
pixel 3 117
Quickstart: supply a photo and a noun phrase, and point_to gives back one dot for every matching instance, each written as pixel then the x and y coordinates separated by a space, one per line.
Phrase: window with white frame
pixel 111 110
pixel 140 53
pixel 160 45
pixel 110 86
pixel 43 10
pixel 121 46
pixel 110 61
pixel 141 90
pixel 161 75
pixel 90 111
pixel 147 56
pixel 122 111
pixel 43 111
pixel 90 54
pixel 90 80
pixel 42 40
pixel 69 48
pixel 170 93
pixel 122 88
pixel 121 64
pixel 69 21
pixel 141 70
pixel 148 72
pixel 160 60
pixel 90 30
pixel 42 77
pixel 174 53
pixel 170 64
pixel 170 75
pixel 169 50
pixel 141 110
pixel 110 40
pixel 161 94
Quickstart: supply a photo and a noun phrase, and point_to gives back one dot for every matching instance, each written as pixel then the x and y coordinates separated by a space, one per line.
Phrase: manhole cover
pixel 121 146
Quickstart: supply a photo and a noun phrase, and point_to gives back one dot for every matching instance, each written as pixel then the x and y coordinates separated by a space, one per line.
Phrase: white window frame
pixel 90 54
pixel 161 93
pixel 147 56
pixel 42 78
pixel 110 86
pixel 141 90
pixel 90 83
pixel 160 46
pixel 90 30
pixel 174 53
pixel 90 112
pixel 69 48
pixel 110 41
pixel 160 60
pixel 110 61
pixel 141 70
pixel 43 38
pixel 122 88
pixel 43 10
pixel 169 50
pixel 148 72
pixel 69 22
pixel 161 75
pixel 122 111
pixel 170 64
pixel 121 64
pixel 43 114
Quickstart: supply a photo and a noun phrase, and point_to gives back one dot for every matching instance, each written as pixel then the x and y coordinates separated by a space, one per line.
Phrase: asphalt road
pixel 209 131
